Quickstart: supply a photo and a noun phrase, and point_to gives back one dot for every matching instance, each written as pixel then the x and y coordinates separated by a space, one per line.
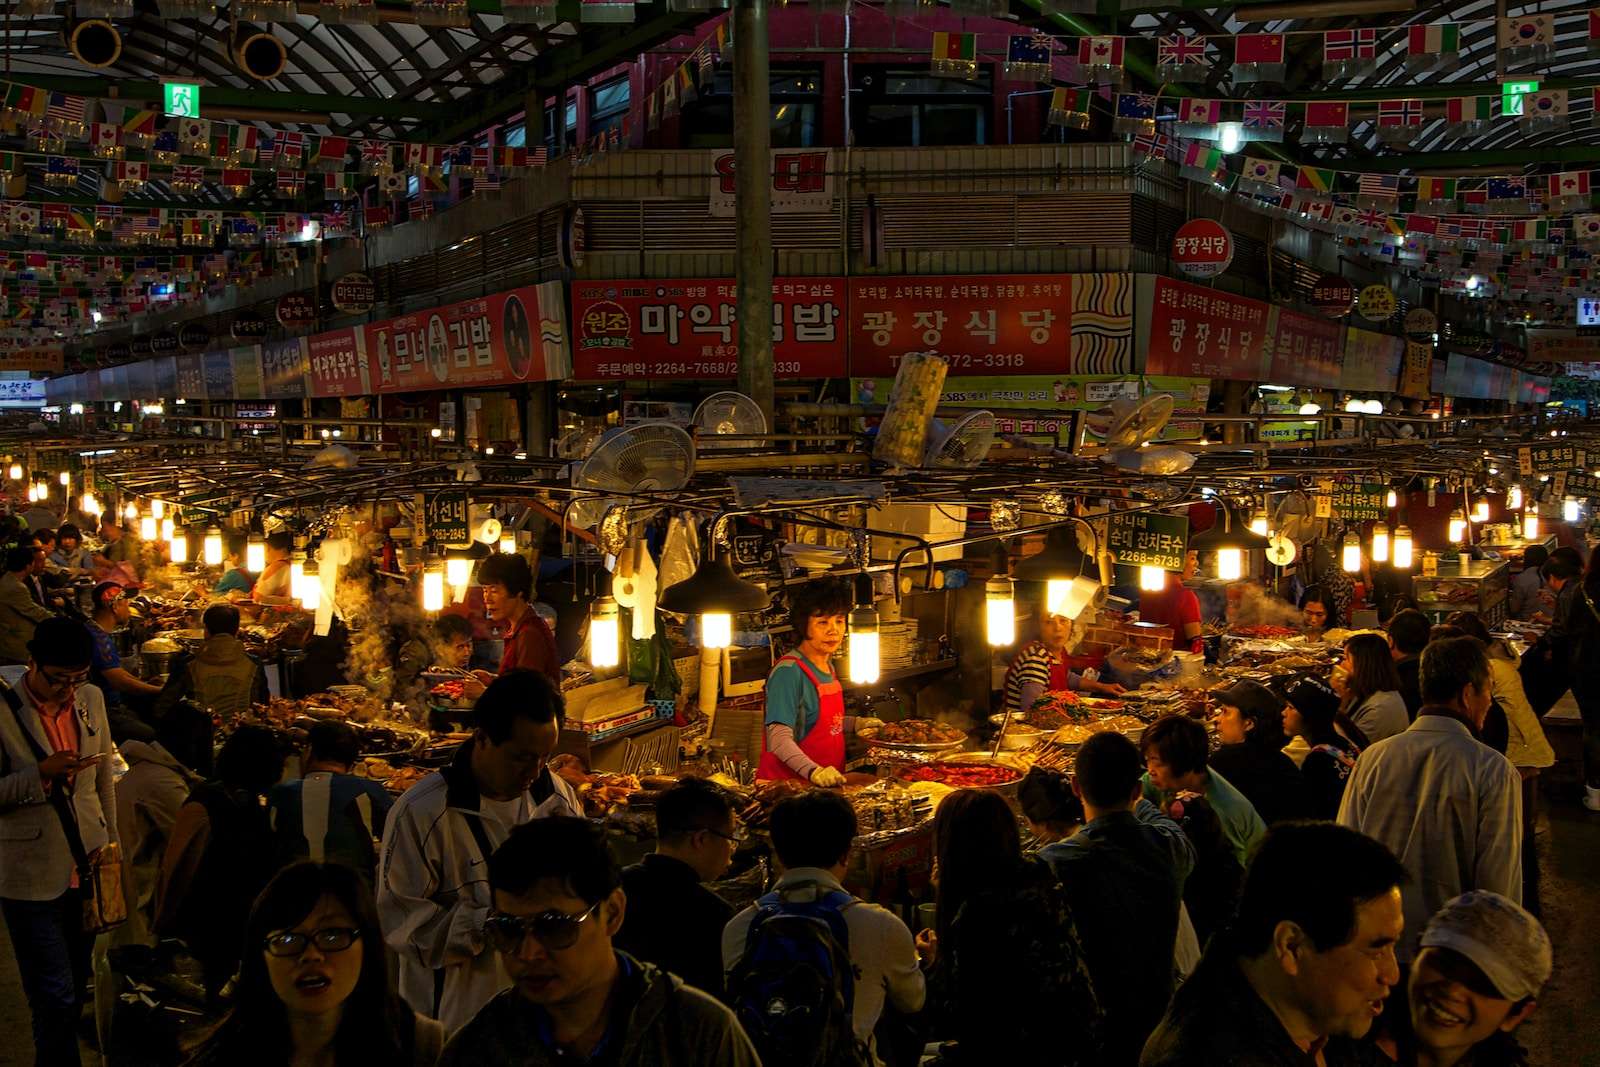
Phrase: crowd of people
pixel 1304 893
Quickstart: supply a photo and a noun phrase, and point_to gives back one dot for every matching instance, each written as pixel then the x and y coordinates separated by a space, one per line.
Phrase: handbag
pixel 100 877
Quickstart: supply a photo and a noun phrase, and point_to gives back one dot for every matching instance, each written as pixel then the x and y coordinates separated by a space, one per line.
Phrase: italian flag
pixel 1468 108
pixel 1433 40
pixel 1530 230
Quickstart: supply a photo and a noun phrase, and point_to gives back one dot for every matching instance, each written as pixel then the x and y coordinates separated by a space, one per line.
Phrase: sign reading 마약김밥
pixel 353 293
pixel 1305 349
pixel 509 337
pixel 1145 539
pixel 802 181
pixel 686 328
pixel 1192 331
pixel 1002 324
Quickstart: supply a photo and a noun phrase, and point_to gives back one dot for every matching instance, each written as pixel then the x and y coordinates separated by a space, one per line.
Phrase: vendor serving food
pixel 1176 605
pixel 805 721
pixel 1041 667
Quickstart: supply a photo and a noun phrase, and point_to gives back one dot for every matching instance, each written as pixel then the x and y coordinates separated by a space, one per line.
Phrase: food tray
pixel 872 737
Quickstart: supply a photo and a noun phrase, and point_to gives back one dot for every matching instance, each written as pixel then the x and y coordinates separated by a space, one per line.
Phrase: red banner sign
pixel 1306 350
pixel 1197 332
pixel 493 340
pixel 685 328
pixel 1003 324
pixel 338 363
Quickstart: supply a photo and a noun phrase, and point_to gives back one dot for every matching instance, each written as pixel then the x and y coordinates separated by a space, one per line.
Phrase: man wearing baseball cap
pixel 1483 961
pixel 1326 743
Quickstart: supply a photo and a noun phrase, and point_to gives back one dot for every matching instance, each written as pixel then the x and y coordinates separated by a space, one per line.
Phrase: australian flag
pixel 1136 113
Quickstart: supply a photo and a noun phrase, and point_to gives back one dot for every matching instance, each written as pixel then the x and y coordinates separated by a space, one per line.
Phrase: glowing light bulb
pixel 211 548
pixel 716 629
pixel 179 549
pixel 158 508
pixel 1530 525
pixel 1480 509
pixel 167 529
pixel 15 472
pixel 147 528
pixel 1402 548
pixel 1350 558
pixel 605 640
pixel 458 571
pixel 1260 523
pixel 65 479
pixel 1458 527
pixel 433 589
pixel 311 590
pixel 131 512
pixel 508 543
pixel 1230 564
pixel 1055 595
pixel 1571 510
pixel 1380 543
pixel 864 659
pixel 297 574
pixel 255 555
pixel 1392 500
pixel 1000 610
pixel 1152 579
pixel 89 505
pixel 1514 498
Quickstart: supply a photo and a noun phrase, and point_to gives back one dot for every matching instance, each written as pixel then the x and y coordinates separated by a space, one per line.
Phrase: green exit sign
pixel 181 99
pixel 1511 94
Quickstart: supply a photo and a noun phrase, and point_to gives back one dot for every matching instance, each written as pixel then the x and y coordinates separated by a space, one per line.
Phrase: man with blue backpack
pixel 810 967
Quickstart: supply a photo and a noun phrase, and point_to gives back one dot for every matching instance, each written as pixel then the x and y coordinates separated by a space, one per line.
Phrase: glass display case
pixel 1482 587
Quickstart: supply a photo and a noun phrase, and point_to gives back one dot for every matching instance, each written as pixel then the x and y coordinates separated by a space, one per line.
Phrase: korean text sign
pixel 492 340
pixel 1004 324
pixel 1203 333
pixel 685 328
pixel 1306 350
pixel 1363 502
pixel 1145 539
pixel 1372 361
pixel 1549 459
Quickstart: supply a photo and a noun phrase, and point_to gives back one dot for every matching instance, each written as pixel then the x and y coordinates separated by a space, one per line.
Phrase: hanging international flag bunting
pixel 1399 120
pixel 1155 145
pixel 105 140
pixel 1349 53
pixel 1430 48
pixel 1594 31
pixel 1530 231
pixel 1526 39
pixel 194 137
pixel 1422 225
pixel 1264 120
pixel 1326 123
pixel 1101 59
pixel 26 100
pixel 65 114
pixel 291 183
pixel 1197 117
pixel 955 54
pixel 377 217
pixel 1586 227
pixel 1260 175
pixel 1569 190
pixel 237 180
pixel 1028 56
pixel 1070 108
pixel 1376 190
pixel 1544 110
pixel 356 11
pixel 243 144
pixel 652 110
pixel 1467 114
pixel 392 185
pixel 164 147
pixel 1257 57
pixel 1505 192
pixel 188 178
pixel 377 157
pixel 139 128
pixel 1180 57
pixel 1201 162
pixel 1436 195
pixel 1136 113
pixel 330 153
pixel 669 98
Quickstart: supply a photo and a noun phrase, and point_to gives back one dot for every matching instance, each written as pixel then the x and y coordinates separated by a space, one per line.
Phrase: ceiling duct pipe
pixel 93 42
pixel 259 54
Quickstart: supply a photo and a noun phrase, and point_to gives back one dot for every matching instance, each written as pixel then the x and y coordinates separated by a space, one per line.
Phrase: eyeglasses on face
pixel 553 929
pixel 738 837
pixel 289 943
pixel 63 681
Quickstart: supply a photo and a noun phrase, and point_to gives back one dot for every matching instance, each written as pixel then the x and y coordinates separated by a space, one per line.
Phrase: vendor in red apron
pixel 1041 667
pixel 805 719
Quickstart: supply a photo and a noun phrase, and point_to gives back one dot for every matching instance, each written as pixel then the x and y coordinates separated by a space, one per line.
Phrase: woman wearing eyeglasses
pixel 313 986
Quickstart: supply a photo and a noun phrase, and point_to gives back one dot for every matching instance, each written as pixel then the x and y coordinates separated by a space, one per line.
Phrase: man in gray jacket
pixel 433 887
pixel 55 767
pixel 558 902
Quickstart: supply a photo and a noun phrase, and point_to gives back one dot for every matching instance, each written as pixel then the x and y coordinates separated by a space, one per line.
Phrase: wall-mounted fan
pixel 643 458
pixel 727 413
pixel 962 446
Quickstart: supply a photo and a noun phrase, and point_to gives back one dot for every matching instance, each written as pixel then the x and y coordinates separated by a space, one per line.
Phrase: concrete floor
pixel 1562 1033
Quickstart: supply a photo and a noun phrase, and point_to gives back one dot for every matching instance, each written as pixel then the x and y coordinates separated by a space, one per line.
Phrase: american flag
pixel 1265 114
pixel 1386 186
pixel 1176 49
pixel 64 110
pixel 1399 112
pixel 487 183
pixel 538 157
pixel 147 224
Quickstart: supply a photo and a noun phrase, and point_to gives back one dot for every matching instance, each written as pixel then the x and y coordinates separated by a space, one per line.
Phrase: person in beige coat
pixel 55 771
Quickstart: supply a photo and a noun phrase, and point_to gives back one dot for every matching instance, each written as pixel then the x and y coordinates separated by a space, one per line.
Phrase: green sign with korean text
pixel 1366 502
pixel 1145 539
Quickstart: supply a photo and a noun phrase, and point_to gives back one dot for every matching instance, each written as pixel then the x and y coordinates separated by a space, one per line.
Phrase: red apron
pixel 824 742
pixel 1058 675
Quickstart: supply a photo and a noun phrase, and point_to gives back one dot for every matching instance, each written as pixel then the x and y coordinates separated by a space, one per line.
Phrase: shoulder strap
pixel 805 669
pixel 59 798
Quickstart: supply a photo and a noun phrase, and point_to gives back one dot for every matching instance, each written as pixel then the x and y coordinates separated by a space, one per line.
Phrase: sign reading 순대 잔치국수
pixel 1145 539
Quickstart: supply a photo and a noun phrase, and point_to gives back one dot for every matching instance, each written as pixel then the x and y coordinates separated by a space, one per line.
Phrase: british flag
pixel 1178 49
pixel 1372 218
pixel 1264 120
pixel 377 156
pixel 335 221
pixel 187 177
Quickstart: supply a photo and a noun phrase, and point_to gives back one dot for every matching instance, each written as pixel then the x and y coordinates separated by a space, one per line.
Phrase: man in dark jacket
pixel 1305 969
pixel 673 920
pixel 558 902
pixel 1408 636
pixel 1123 874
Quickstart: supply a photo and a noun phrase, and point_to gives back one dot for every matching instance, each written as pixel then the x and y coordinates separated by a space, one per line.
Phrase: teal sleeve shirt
pixel 792 699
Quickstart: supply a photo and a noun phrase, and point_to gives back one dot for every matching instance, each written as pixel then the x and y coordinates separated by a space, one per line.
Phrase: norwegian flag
pixel 291 151
pixel 291 183
pixel 1158 145
pixel 1348 52
pixel 1399 120
pixel 421 208
pixel 1178 54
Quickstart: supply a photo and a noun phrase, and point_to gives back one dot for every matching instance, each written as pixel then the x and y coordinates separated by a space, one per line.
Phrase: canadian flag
pixel 1570 183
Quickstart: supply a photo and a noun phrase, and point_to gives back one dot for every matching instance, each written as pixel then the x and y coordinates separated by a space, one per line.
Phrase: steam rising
pixel 1254 606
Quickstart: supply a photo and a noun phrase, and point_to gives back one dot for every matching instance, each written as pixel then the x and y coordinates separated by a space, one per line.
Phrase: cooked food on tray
pixel 959 775
pixel 915 732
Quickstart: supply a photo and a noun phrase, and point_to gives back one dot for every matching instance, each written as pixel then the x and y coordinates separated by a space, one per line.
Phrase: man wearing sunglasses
pixel 55 771
pixel 674 921
pixel 433 889
pixel 558 903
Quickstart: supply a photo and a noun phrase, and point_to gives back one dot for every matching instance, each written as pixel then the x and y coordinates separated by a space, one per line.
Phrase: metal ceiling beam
pixel 256 99
pixel 1436 162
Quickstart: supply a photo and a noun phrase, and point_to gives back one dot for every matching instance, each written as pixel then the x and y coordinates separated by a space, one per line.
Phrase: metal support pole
pixel 752 175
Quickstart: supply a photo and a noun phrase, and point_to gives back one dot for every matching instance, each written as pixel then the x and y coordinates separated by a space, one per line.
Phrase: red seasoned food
pixel 959 775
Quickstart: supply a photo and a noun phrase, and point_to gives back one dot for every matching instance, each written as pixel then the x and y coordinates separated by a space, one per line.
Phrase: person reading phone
pixel 55 774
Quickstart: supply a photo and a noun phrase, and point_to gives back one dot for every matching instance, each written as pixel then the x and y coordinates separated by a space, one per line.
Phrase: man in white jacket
pixel 433 889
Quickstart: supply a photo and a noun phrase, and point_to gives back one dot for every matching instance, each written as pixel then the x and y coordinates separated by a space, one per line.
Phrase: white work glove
pixel 827 778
